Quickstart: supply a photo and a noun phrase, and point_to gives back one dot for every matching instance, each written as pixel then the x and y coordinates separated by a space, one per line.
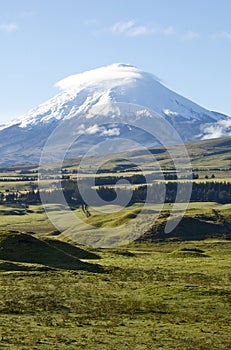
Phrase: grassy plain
pixel 25 219
pixel 161 296
pixel 169 294
pixel 165 292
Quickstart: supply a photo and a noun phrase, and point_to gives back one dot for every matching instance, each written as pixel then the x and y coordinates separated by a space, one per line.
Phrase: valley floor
pixel 150 296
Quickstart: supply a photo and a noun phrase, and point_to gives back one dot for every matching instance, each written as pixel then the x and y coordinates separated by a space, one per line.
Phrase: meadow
pixel 159 296
pixel 155 291
pixel 172 293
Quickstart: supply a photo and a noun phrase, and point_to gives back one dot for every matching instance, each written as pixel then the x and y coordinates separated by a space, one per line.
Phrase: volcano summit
pixel 98 103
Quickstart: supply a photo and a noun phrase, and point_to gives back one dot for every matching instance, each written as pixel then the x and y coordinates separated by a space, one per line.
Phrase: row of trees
pixel 157 193
pixel 17 179
pixel 26 197
pixel 141 179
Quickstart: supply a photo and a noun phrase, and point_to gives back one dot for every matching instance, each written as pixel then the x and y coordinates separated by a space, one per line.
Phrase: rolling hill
pixel 16 247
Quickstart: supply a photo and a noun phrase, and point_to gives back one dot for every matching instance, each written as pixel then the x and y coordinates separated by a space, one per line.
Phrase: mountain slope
pixel 89 102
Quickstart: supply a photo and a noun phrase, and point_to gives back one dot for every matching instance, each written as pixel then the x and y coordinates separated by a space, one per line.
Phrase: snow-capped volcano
pixel 92 99
pixel 115 83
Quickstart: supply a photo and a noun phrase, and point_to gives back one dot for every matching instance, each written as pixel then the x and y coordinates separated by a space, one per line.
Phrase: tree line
pixel 157 193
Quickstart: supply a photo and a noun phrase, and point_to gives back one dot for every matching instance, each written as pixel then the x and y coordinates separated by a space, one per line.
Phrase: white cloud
pixel 111 132
pixel 92 130
pixel 170 113
pixel 10 27
pixel 140 30
pixel 191 36
pixel 219 129
pixel 132 29
pixel 122 27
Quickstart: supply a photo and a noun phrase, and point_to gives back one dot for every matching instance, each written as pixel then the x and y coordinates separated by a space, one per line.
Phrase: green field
pixel 170 292
pixel 162 296
pixel 157 290
pixel 201 220
pixel 25 219
pixel 33 218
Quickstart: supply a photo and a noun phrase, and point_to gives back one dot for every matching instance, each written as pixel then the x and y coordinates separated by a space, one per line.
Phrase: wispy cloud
pixel 224 35
pixel 140 30
pixel 9 27
pixel 132 29
pixel 220 129
pixel 190 36
pixel 168 31
pixel 122 27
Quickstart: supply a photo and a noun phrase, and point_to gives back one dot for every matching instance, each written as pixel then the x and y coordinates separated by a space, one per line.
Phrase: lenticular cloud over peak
pixel 115 74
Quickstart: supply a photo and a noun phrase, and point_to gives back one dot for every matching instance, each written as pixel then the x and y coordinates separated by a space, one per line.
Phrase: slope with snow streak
pixel 83 94
pixel 115 83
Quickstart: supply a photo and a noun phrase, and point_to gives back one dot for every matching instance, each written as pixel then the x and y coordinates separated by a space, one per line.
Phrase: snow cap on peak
pixel 114 74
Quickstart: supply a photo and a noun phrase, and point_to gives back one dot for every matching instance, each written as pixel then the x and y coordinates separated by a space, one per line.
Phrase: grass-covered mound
pixel 189 252
pixel 21 247
pixel 71 249
pixel 195 225
pixel 114 219
pixel 18 266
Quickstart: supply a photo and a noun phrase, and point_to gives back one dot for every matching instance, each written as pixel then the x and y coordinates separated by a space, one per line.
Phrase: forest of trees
pixel 201 192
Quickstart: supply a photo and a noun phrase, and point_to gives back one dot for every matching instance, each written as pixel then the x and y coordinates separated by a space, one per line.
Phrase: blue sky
pixel 186 43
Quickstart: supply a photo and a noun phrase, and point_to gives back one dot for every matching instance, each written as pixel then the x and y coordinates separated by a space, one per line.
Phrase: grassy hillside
pixel 20 247
pixel 211 153
pixel 201 221
pixel 195 225
pixel 214 153
pixel 207 153
pixel 70 249
pixel 19 266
